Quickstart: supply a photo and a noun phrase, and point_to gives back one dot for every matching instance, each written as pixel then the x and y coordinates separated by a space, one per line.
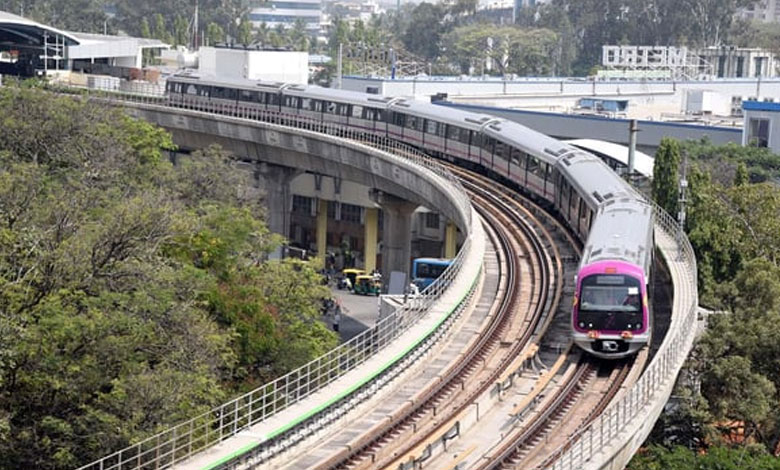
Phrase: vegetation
pixel 730 418
pixel 133 294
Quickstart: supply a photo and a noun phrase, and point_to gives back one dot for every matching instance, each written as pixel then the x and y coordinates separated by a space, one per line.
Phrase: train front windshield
pixel 610 302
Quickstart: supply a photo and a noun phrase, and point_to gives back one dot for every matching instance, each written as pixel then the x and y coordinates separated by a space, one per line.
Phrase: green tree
pixel 133 293
pixel 245 32
pixel 665 174
pixel 180 31
pixel 214 34
pixel 146 32
pixel 741 178
pixel 425 30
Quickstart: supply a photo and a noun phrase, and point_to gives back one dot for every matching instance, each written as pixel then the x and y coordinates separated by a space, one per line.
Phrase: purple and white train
pixel 611 316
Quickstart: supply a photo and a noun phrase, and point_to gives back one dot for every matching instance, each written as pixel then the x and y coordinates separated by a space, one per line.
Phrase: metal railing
pixel 184 440
pixel 607 428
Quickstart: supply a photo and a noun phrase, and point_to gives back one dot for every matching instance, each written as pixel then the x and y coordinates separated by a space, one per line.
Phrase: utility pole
pixel 633 128
pixel 683 200
pixel 338 66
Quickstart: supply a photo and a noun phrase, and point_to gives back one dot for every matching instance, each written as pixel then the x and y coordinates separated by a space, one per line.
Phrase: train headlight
pixel 582 324
pixel 638 326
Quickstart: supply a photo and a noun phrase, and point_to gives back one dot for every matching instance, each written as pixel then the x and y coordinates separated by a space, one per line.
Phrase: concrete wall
pixel 306 151
pixel 524 88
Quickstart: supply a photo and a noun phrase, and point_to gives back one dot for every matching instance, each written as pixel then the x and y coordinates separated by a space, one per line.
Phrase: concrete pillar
pixel 322 228
pixel 450 240
pixel 371 226
pixel 275 181
pixel 396 233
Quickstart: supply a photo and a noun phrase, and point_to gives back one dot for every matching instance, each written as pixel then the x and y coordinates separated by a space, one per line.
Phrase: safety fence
pixel 635 405
pixel 174 445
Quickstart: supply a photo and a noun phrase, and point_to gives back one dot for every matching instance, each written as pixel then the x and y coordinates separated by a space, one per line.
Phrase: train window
pixel 431 127
pixel 317 106
pixel 533 165
pixel 466 136
pixel 476 140
pixel 357 111
pixel 518 157
pixel 248 96
pixel 305 103
pixel 272 99
pixel 453 132
pixel 501 150
pixel 192 90
pixel 330 108
pixel 488 143
pixel 411 122
pixel 399 119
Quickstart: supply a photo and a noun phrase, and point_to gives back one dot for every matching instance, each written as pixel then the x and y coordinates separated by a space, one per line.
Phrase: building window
pixel 740 67
pixel 431 220
pixel 332 209
pixel 301 204
pixel 350 213
pixel 758 132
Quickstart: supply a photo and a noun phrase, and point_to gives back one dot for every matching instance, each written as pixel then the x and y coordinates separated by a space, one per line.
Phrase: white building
pixel 762 124
pixel 767 11
pixel 276 66
pixel 286 12
pixel 734 62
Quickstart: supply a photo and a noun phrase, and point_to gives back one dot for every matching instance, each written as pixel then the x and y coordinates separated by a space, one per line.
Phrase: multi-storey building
pixel 767 11
pixel 286 12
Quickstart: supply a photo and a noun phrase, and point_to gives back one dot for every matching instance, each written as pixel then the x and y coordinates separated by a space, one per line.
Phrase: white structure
pixel 736 62
pixel 704 102
pixel 762 125
pixel 285 12
pixel 31 48
pixel 766 11
pixel 276 66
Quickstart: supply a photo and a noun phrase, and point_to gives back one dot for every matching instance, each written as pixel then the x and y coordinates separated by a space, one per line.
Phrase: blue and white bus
pixel 427 270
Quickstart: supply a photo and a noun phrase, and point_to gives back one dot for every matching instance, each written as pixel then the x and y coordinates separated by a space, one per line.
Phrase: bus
pixel 427 270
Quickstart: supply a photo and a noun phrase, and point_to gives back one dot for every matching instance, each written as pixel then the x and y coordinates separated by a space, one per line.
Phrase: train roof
pixel 623 229
pixel 343 96
pixel 528 140
pixel 473 121
pixel 593 178
pixel 241 83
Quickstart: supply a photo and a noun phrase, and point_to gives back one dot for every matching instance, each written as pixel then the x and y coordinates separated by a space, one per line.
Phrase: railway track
pixel 523 303
pixel 533 256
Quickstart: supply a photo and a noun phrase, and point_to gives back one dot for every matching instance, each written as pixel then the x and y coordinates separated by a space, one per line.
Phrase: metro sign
pixel 643 56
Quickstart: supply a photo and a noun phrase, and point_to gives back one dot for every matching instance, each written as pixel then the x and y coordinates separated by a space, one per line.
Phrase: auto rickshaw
pixel 367 285
pixel 351 274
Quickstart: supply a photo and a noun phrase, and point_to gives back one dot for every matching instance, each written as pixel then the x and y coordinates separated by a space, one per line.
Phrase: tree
pixel 741 178
pixel 133 293
pixel 425 30
pixel 245 32
pixel 665 174
pixel 180 31
pixel 146 32
pixel 214 34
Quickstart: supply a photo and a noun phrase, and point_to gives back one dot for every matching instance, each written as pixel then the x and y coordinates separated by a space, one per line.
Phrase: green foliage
pixel 665 175
pixel 716 458
pixel 723 161
pixel 522 51
pixel 133 294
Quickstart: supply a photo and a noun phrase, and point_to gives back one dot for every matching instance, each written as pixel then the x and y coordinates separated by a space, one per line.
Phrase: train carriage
pixel 612 220
pixel 611 315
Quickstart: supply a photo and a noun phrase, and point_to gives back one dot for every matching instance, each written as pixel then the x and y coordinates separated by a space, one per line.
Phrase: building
pixel 28 48
pixel 761 125
pixel 254 64
pixel 286 12
pixel 734 62
pixel 766 11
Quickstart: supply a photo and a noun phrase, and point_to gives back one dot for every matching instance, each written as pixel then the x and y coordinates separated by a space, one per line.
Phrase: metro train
pixel 614 222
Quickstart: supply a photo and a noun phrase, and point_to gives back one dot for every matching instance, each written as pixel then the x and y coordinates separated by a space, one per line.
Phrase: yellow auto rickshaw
pixel 348 278
pixel 367 285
